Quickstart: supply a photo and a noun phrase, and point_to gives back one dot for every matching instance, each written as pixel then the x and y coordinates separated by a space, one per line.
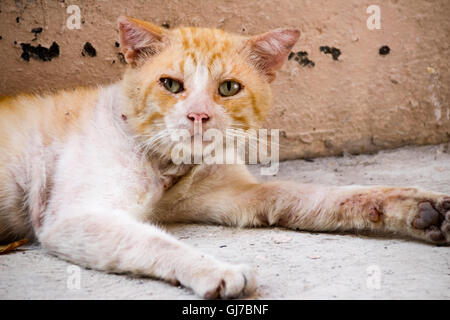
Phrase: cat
pixel 87 172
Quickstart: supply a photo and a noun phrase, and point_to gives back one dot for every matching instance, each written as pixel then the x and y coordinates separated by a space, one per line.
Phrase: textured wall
pixel 361 102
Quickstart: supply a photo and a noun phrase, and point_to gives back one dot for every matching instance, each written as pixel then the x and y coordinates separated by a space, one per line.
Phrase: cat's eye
pixel 172 85
pixel 229 88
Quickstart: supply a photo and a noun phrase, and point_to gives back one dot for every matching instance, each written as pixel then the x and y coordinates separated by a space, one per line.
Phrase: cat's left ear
pixel 270 50
pixel 139 38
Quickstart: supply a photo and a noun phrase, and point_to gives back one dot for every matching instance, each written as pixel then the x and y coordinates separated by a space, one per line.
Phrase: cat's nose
pixel 198 117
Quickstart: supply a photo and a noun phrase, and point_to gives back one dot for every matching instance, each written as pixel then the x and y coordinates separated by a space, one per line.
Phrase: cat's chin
pixel 202 138
pixel 196 144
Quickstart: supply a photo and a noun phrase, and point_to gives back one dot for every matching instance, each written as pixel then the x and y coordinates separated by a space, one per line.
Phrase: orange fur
pixel 223 55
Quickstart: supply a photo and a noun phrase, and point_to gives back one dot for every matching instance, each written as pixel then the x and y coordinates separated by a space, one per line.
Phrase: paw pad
pixel 427 216
pixel 435 234
pixel 446 204
pixel 434 219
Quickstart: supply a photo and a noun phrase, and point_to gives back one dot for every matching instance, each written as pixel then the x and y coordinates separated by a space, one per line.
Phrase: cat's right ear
pixel 139 38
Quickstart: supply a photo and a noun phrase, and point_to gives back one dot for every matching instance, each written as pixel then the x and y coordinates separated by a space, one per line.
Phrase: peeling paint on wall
pixel 380 89
pixel 335 52
pixel 89 49
pixel 39 52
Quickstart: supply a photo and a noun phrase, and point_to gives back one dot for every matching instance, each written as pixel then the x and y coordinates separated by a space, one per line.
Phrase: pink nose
pixel 197 117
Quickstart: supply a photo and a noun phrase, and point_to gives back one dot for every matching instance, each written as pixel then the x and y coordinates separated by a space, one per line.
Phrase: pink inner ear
pixel 270 50
pixel 134 38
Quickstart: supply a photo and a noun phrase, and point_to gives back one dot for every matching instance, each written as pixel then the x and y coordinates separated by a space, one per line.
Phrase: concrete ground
pixel 290 265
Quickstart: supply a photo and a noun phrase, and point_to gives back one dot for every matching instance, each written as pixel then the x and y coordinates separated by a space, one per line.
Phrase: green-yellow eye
pixel 172 85
pixel 229 88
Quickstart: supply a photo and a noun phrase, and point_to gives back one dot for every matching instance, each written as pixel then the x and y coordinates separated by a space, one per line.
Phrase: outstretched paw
pixel 433 218
pixel 230 281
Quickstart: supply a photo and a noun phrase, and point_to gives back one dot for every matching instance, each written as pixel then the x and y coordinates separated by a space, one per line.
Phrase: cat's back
pixel 30 123
pixel 48 115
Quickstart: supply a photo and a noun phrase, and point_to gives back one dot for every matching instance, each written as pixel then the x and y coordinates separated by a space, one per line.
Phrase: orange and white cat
pixel 88 172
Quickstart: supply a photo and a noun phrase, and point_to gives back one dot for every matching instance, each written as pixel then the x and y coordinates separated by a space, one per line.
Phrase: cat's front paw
pixel 433 218
pixel 412 212
pixel 226 282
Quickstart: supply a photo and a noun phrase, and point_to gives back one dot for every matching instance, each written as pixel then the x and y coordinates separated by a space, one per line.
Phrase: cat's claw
pixel 227 282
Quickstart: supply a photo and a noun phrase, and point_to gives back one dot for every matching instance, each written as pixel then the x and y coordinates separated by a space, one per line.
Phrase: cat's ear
pixel 139 38
pixel 270 50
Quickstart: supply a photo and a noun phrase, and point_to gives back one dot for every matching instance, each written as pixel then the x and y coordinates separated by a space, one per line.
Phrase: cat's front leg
pixel 408 212
pixel 234 198
pixel 405 211
pixel 117 243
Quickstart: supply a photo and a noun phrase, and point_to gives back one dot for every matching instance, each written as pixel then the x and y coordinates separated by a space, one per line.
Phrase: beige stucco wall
pixel 360 103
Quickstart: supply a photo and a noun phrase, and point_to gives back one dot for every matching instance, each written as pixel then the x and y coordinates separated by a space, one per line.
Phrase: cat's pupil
pixel 172 85
pixel 229 88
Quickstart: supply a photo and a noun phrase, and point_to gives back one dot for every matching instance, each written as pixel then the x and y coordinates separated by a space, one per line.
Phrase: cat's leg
pixel 409 212
pixel 115 242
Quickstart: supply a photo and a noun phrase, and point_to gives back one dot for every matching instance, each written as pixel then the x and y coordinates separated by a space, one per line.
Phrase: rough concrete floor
pixel 290 265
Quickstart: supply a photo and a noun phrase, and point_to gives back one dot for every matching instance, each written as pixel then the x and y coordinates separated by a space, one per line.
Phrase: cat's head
pixel 188 76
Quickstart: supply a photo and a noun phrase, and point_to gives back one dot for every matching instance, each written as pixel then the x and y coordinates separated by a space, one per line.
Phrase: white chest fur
pixel 101 166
